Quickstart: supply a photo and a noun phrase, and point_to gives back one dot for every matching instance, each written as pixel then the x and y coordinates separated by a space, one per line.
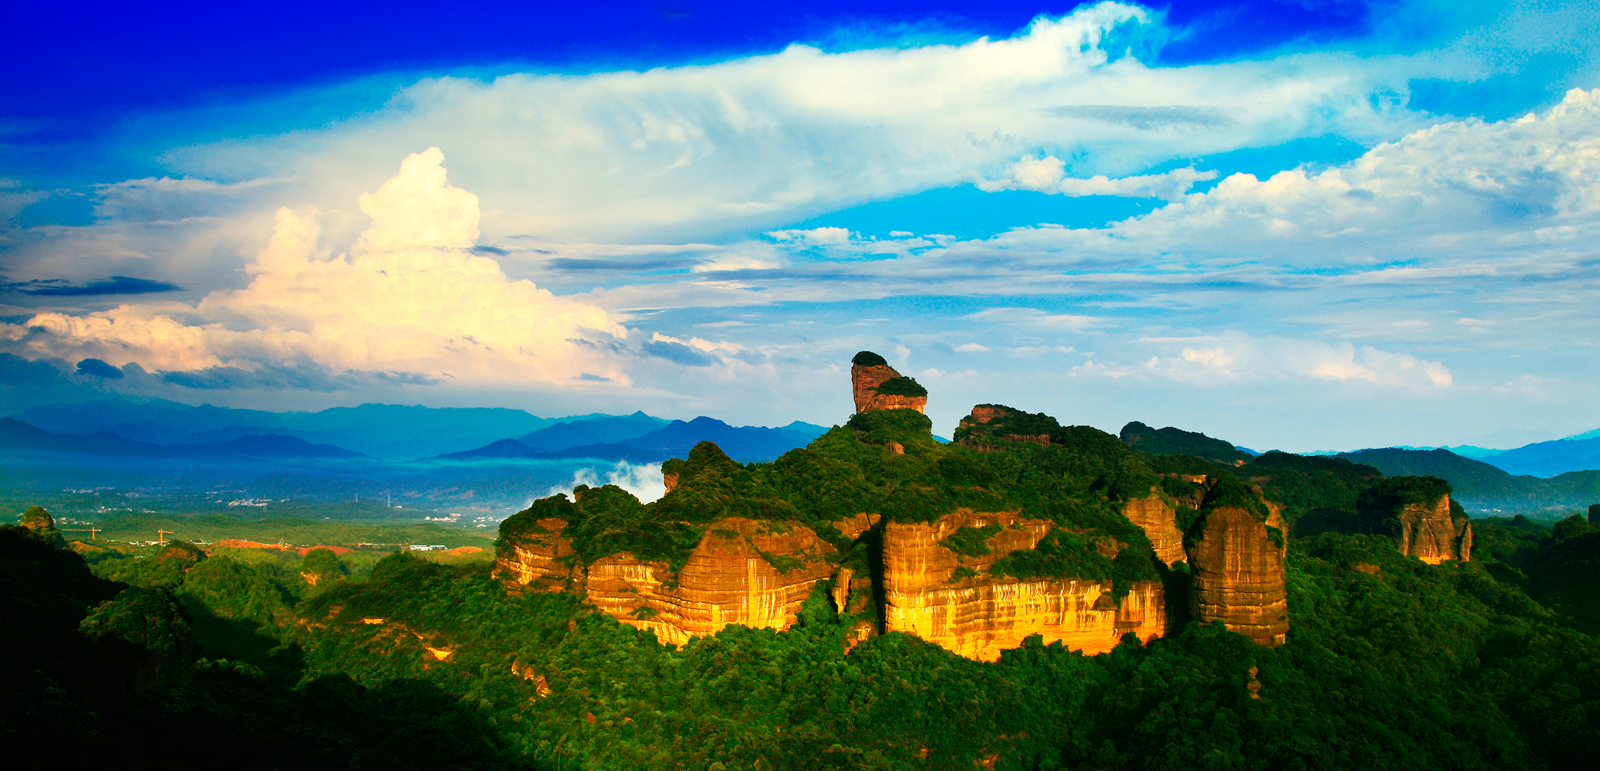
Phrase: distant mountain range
pixel 389 432
pixel 1481 486
pixel 17 435
pixel 643 439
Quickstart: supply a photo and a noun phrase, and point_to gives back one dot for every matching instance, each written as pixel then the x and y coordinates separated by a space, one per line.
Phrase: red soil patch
pixel 235 543
pixel 339 550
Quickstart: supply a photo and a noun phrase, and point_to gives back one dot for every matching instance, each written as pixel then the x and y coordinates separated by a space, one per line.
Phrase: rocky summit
pixel 877 386
pixel 1021 527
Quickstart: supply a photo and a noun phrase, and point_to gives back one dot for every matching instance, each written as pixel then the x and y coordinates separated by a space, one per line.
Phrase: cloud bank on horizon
pixel 1162 242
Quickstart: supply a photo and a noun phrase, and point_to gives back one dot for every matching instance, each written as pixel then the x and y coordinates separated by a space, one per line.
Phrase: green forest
pixel 180 659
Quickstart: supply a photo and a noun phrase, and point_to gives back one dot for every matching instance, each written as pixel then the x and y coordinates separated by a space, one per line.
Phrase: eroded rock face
pixel 1417 512
pixel 1158 520
pixel 1238 576
pixel 542 560
pixel 984 414
pixel 864 383
pixel 730 578
pixel 978 615
pixel 1431 535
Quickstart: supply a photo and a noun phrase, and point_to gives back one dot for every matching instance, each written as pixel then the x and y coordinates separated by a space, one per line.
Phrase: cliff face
pixel 982 440
pixel 1418 513
pixel 864 384
pixel 1431 535
pixel 1159 522
pixel 730 578
pixel 977 615
pixel 541 560
pixel 1238 576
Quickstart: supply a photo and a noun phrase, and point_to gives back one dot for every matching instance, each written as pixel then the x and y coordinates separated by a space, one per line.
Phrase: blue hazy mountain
pixel 381 430
pixel 666 440
pixel 604 430
pixel 17 435
pixel 1481 486
pixel 1545 459
pixel 266 446
pixel 742 443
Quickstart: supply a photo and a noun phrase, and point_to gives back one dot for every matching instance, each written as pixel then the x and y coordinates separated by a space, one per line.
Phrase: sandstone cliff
pixel 1238 575
pixel 950 599
pixel 541 559
pixel 1418 513
pixel 742 572
pixel 1430 534
pixel 991 426
pixel 1158 519
pixel 877 386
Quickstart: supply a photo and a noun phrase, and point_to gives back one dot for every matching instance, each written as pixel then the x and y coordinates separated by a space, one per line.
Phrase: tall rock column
pixel 1159 521
pixel 1238 576
pixel 877 386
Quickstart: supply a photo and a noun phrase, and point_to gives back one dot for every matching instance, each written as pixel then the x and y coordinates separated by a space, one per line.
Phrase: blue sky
pixel 1301 225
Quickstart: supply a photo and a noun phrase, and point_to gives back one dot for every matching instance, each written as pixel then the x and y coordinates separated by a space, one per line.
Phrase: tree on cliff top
pixel 1006 422
pixel 902 386
pixel 869 359
pixel 1174 441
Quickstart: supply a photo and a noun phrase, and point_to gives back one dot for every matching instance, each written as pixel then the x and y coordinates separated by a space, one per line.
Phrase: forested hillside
pixel 1389 662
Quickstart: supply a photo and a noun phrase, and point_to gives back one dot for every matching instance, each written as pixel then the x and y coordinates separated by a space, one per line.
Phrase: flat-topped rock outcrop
pixel 1417 512
pixel 1019 527
pixel 939 584
pixel 992 426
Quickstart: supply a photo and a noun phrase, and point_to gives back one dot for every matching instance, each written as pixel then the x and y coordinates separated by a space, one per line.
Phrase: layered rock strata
pixel 541 560
pixel 743 571
pixel 865 380
pixel 1420 516
pixel 1238 576
pixel 984 414
pixel 1431 534
pixel 950 599
pixel 1159 521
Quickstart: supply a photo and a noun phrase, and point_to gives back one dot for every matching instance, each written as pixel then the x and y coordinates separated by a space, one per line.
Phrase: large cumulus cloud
pixel 410 299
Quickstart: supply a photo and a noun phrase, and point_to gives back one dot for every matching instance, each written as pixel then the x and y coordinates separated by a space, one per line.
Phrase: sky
pixel 1294 224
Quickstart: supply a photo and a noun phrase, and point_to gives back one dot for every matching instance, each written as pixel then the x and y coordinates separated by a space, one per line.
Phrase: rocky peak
pixel 1236 559
pixel 186 555
pixel 989 425
pixel 1417 512
pixel 43 526
pixel 877 386
pixel 38 520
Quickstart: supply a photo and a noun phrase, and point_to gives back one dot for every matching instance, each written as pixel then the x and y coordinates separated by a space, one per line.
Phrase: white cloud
pixel 409 297
pixel 643 480
pixel 1236 356
pixel 735 262
pixel 1048 175
pixel 972 348
pixel 695 151
pixel 813 237
pixel 1036 319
